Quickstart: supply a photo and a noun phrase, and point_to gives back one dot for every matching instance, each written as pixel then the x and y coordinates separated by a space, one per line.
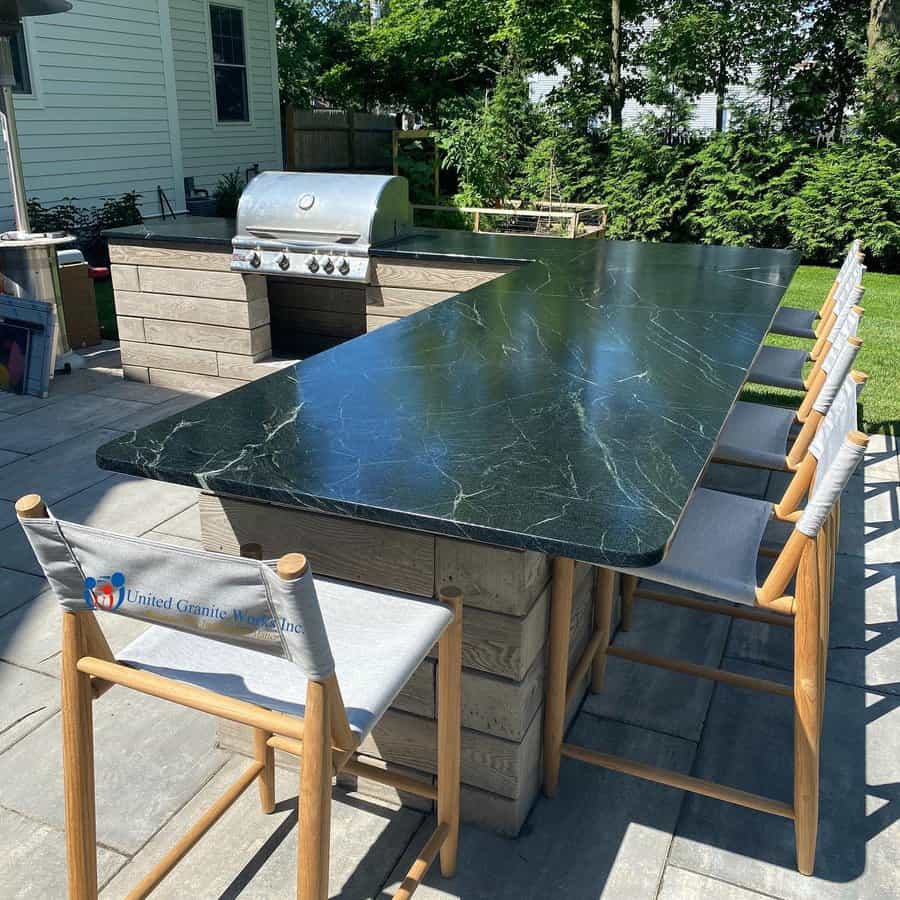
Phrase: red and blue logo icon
pixel 106 592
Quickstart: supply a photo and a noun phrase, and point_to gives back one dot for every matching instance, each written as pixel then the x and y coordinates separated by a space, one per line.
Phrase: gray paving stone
pixel 78 381
pixel 135 390
pixel 680 884
pixel 60 471
pixel 34 859
pixel 7 457
pixel 7 513
pixel 159 411
pixel 747 743
pixel 736 479
pixel 32 634
pixel 865 626
pixel 62 421
pixel 15 551
pixel 17 588
pixel 881 514
pixel 26 699
pixel 657 698
pixel 604 834
pixel 16 404
pixel 185 525
pixel 882 462
pixel 127 505
pixel 151 757
pixel 252 855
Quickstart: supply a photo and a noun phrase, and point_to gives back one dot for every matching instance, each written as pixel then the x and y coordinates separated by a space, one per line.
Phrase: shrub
pixel 849 190
pixel 227 193
pixel 644 185
pixel 740 188
pixel 87 223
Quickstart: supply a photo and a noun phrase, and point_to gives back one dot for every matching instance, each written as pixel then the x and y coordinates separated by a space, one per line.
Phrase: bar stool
pixel 801 323
pixel 715 552
pixel 758 435
pixel 260 643
pixel 783 366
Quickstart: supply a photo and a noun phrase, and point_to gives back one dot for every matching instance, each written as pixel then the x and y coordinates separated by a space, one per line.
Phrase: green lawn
pixel 880 353
pixel 106 309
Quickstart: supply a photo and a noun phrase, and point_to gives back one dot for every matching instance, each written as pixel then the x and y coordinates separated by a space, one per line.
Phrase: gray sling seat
pixel 378 639
pixel 756 434
pixel 779 367
pixel 795 322
pixel 233 626
pixel 783 367
pixel 801 323
pixel 716 547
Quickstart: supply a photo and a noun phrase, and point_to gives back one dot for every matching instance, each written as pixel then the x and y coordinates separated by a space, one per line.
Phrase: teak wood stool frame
pixel 322 737
pixel 806 561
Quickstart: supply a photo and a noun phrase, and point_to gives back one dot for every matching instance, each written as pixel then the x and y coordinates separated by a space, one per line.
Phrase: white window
pixel 226 25
pixel 20 62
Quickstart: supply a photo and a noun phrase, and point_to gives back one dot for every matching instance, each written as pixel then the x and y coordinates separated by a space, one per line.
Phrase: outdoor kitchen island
pixel 564 410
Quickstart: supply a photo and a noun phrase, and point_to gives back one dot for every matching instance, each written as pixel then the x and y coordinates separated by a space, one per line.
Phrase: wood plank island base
pixel 505 627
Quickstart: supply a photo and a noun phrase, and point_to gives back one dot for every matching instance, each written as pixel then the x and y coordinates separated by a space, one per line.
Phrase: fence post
pixel 290 129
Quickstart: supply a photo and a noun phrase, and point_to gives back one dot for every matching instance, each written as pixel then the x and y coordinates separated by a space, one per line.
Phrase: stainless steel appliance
pixel 318 226
pixel 28 265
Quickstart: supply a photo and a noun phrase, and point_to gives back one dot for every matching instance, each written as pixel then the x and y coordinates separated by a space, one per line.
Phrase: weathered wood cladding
pixel 402 287
pixel 507 595
pixel 186 320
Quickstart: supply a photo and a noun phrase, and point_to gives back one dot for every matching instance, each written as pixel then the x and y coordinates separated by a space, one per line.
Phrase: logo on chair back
pixel 106 592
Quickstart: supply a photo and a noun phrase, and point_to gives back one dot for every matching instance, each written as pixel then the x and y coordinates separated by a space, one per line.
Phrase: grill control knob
pixel 313 264
pixel 329 266
pixel 284 262
pixel 254 259
pixel 343 267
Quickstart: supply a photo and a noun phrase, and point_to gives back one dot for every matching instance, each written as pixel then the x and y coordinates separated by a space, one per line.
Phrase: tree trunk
pixel 884 18
pixel 617 100
pixel 721 87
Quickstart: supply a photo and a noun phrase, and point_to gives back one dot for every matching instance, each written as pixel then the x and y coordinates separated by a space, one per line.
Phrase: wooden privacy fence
pixel 332 140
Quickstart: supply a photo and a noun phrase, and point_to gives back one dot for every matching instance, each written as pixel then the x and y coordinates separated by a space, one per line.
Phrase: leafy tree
pixel 310 35
pixel 880 95
pixel 486 144
pixel 832 41
pixel 422 56
pixel 704 45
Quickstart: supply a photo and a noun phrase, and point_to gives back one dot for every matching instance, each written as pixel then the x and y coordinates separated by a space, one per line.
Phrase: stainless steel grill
pixel 317 225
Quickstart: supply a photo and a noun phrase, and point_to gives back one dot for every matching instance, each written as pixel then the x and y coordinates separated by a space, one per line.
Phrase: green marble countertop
pixel 569 406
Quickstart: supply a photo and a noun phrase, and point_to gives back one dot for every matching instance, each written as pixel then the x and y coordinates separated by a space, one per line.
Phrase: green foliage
pixel 740 188
pixel 879 107
pixel 747 188
pixel 643 184
pixel 486 145
pixel 849 190
pixel 421 56
pixel 87 222
pixel 228 192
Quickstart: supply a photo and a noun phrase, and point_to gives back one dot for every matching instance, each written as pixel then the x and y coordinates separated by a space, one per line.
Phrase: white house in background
pixel 703 112
pixel 121 95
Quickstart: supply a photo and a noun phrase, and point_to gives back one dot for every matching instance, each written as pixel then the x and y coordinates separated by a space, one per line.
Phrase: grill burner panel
pixel 307 225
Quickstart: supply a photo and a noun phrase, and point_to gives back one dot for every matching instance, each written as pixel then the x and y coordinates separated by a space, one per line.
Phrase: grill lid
pixel 323 208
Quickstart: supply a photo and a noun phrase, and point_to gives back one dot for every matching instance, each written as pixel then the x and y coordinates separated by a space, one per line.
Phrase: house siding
pixel 211 149
pixel 96 125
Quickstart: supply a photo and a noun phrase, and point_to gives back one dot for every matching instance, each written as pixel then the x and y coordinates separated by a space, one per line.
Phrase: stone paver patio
pixel 605 835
